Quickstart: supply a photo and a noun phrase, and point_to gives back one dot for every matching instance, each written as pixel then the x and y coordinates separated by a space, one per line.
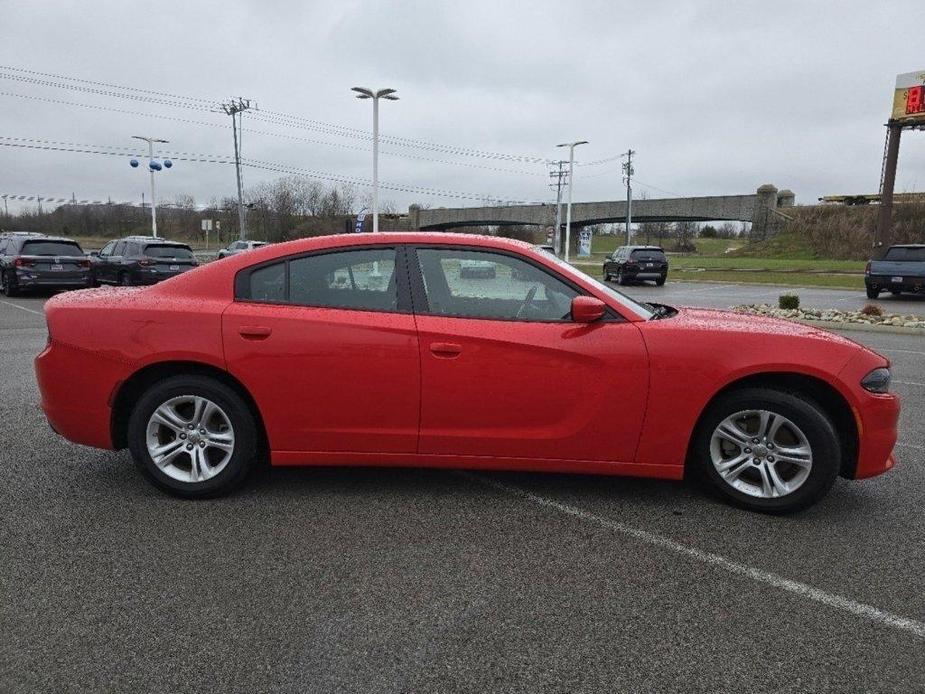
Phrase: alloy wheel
pixel 190 438
pixel 761 453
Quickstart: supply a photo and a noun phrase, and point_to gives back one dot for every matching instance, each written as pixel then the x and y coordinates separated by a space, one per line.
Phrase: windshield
pixel 648 254
pixel 900 253
pixel 51 248
pixel 641 310
pixel 177 252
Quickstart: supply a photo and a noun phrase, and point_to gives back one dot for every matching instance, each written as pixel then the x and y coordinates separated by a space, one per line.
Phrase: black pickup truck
pixel 901 270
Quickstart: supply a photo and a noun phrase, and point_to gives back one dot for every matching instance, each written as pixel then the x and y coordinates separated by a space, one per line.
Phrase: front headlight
pixel 877 381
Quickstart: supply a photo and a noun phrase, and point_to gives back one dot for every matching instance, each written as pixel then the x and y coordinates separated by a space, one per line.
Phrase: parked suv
pixel 36 261
pixel 240 247
pixel 141 260
pixel 635 264
pixel 901 270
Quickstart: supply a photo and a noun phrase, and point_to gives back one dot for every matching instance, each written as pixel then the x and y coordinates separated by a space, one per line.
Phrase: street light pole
pixel 571 180
pixel 375 95
pixel 151 141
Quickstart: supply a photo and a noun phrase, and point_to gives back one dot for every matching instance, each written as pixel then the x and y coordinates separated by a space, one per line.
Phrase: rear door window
pixel 51 248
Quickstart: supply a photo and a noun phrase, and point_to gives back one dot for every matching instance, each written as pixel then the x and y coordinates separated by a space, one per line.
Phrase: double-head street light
pixel 571 182
pixel 389 94
pixel 153 165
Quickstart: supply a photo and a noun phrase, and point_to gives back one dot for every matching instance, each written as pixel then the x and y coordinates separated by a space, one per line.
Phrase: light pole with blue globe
pixel 153 166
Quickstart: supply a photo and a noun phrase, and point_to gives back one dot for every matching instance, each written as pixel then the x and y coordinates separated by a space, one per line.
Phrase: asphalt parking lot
pixel 368 580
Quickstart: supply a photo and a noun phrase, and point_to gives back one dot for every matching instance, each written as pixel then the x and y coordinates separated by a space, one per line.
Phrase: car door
pixel 506 373
pixel 326 344
pixel 114 262
pixel 101 269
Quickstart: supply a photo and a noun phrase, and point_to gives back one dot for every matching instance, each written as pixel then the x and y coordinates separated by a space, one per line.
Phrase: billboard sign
pixel 909 98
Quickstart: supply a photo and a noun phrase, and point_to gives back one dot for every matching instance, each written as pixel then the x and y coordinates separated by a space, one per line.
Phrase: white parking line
pixel 803 590
pixel 21 308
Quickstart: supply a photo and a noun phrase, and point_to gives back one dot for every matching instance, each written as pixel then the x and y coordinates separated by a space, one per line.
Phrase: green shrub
pixel 788 301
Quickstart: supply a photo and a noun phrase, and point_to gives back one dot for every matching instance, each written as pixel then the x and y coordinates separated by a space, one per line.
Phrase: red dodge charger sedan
pixel 380 350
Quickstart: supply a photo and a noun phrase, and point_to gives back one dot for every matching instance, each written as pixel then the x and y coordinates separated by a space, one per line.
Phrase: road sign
pixel 909 98
pixel 207 225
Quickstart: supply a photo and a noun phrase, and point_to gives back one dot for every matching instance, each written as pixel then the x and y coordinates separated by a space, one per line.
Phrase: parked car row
pixel 31 261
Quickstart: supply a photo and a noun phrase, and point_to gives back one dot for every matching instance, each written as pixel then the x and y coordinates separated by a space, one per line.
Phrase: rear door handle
pixel 254 332
pixel 446 350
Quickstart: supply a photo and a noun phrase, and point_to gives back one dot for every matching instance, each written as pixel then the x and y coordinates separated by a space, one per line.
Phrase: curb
pixel 859 327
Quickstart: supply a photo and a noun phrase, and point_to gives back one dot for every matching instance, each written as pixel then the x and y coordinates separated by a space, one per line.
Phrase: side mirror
pixel 95 254
pixel 587 309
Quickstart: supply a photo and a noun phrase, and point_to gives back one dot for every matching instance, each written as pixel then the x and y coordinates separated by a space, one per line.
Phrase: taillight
pixel 867 268
pixel 146 262
pixel 22 262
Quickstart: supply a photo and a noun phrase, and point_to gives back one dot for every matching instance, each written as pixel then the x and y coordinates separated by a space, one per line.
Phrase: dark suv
pixel 36 261
pixel 637 263
pixel 141 260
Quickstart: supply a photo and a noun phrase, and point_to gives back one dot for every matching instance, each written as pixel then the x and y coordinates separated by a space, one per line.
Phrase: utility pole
pixel 560 175
pixel 234 108
pixel 628 172
pixel 571 179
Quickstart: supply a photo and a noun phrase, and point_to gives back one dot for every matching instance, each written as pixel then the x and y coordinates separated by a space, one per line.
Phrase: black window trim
pixel 242 278
pixel 419 294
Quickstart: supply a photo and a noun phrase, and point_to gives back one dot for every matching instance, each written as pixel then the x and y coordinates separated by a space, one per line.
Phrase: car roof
pixel 153 239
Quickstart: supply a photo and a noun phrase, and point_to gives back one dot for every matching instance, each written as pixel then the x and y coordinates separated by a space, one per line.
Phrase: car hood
pixel 717 320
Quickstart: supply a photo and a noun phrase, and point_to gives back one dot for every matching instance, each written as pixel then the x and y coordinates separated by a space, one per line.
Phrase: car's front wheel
pixel 193 436
pixel 768 450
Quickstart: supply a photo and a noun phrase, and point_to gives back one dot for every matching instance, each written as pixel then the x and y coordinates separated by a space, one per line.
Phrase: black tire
pixel 606 276
pixel 125 280
pixel 872 293
pixel 620 279
pixel 8 289
pixel 660 282
pixel 806 414
pixel 242 422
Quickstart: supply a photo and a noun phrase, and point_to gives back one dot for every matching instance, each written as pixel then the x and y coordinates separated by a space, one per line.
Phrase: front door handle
pixel 254 332
pixel 445 350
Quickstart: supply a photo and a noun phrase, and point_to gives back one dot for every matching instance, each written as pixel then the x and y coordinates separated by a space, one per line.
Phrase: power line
pixel 284 136
pixel 275 167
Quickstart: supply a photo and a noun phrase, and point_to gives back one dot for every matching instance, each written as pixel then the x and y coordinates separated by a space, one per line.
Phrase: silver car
pixel 240 247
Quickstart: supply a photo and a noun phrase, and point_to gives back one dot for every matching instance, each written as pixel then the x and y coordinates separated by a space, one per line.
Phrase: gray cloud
pixel 716 97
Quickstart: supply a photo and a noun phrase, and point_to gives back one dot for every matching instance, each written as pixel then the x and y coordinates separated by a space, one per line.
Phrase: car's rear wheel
pixel 193 436
pixel 660 282
pixel 621 280
pixel 767 450
pixel 872 293
pixel 8 288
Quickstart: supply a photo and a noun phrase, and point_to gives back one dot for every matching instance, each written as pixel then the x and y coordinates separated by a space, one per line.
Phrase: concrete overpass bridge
pixel 755 208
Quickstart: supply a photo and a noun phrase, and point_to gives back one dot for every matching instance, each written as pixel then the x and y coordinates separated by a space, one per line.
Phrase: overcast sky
pixel 716 97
